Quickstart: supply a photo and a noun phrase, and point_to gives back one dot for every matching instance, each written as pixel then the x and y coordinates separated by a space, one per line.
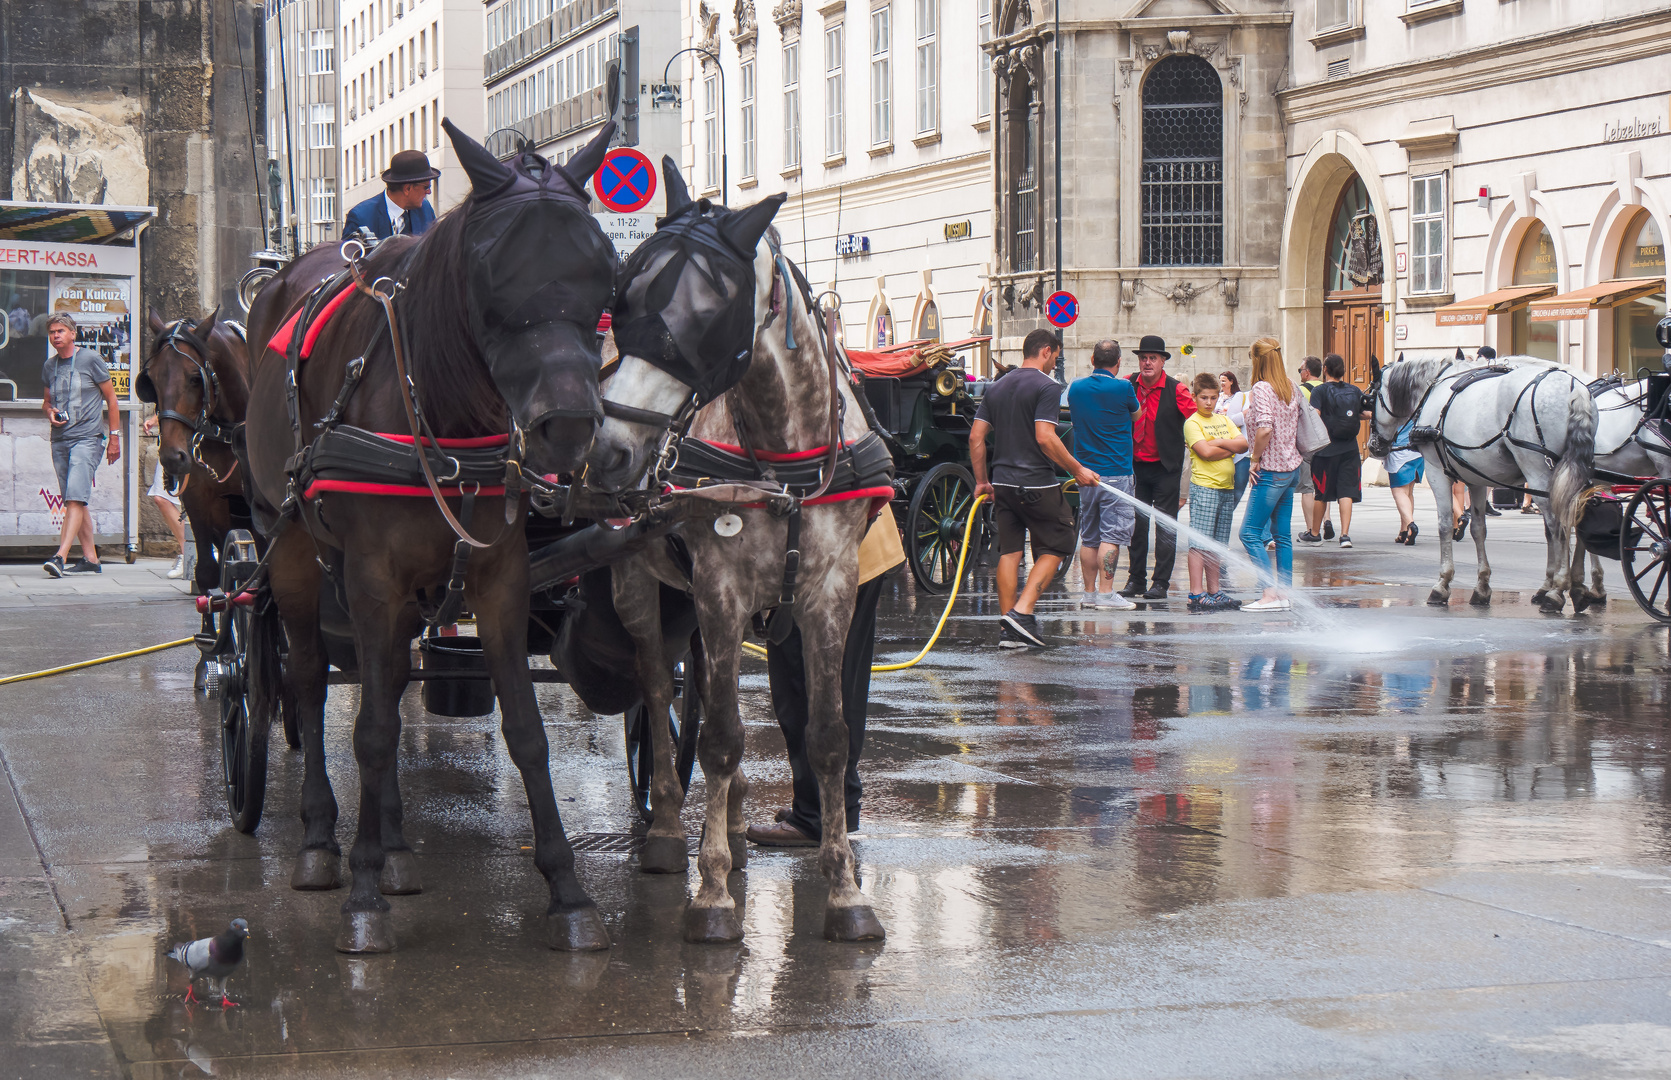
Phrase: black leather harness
pixel 1447 448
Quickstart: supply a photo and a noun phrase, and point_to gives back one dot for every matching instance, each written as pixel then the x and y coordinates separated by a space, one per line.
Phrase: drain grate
pixel 602 843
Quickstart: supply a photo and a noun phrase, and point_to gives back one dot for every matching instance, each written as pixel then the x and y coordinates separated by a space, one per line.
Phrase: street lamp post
pixel 666 96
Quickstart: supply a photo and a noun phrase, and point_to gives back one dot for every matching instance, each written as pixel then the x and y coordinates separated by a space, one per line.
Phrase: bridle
pixel 205 426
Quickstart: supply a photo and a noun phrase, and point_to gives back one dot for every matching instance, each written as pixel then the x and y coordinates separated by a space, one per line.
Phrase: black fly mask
pixel 698 327
pixel 532 314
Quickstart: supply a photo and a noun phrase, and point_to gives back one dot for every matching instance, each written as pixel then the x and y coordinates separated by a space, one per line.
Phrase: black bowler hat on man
pixel 1153 343
pixel 409 167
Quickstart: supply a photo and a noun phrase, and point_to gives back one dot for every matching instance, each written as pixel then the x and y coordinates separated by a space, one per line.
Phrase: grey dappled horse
pixel 1620 410
pixel 782 401
pixel 1512 422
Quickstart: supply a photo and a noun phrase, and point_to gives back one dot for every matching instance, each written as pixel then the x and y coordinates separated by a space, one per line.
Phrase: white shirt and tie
pixel 397 216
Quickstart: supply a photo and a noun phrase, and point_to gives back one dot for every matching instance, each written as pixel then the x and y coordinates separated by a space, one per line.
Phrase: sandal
pixel 1414 529
pixel 1403 537
pixel 1530 509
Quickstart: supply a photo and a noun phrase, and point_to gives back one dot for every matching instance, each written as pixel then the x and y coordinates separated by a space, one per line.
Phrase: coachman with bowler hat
pixel 403 207
pixel 1157 465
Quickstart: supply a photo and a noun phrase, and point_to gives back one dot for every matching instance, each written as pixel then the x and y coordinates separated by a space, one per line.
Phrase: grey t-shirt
pixel 1012 405
pixel 74 385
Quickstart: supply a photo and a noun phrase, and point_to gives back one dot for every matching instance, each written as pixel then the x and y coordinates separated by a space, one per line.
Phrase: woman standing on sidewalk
pixel 1273 414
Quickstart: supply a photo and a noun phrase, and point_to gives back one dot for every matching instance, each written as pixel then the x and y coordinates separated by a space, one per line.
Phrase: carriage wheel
pixel 246 697
pixel 684 720
pixel 1645 548
pixel 940 504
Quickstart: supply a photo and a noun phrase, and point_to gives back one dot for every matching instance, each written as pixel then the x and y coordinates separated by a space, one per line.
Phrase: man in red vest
pixel 1157 467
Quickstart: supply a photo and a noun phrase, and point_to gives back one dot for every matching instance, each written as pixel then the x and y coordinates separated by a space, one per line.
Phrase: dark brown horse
pixel 497 308
pixel 198 378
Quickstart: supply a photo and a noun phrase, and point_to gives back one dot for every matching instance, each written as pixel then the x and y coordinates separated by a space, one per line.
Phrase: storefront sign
pixel 850 245
pixel 1635 128
pixel 29 255
pixel 959 230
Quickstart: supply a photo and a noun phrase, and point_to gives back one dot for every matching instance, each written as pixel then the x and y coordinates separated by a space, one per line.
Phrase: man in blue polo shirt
pixel 1103 405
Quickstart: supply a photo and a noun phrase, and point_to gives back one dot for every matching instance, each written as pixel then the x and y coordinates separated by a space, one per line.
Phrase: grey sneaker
pixel 1345 541
pixel 1115 602
pixel 1025 628
pixel 82 566
pixel 54 566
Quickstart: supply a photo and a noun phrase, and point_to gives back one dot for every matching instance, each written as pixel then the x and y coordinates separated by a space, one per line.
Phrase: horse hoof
pixel 1598 601
pixel 366 932
pixel 1540 596
pixel 316 870
pixel 400 874
pixel 1552 606
pixel 738 843
pixel 852 924
pixel 1438 599
pixel 712 926
pixel 1579 603
pixel 1480 599
pixel 663 855
pixel 580 930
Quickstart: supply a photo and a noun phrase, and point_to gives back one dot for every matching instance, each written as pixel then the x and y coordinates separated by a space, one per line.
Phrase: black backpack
pixel 1340 407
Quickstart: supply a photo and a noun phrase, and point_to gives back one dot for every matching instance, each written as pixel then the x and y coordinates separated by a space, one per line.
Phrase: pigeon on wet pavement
pixel 213 958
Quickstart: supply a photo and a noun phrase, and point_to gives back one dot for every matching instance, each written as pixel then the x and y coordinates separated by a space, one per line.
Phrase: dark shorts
pixel 1338 477
pixel 1044 512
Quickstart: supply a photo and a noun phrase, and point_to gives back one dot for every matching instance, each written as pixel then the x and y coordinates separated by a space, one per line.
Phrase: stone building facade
pixel 876 117
pixel 1512 163
pixel 163 97
pixel 1170 178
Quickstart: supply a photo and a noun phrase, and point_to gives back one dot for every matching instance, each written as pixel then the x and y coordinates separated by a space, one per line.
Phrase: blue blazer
pixel 374 215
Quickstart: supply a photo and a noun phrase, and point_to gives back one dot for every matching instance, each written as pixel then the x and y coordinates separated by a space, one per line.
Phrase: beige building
pixel 407 65
pixel 302 119
pixel 875 116
pixel 1170 175
pixel 1476 172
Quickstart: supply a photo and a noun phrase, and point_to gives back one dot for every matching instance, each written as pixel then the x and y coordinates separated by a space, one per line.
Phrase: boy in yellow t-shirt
pixel 1213 443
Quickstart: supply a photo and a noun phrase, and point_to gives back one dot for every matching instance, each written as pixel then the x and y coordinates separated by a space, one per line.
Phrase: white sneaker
pixel 1089 599
pixel 179 569
pixel 1269 605
pixel 1115 602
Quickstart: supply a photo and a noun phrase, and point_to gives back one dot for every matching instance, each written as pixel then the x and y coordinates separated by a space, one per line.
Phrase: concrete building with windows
pixel 405 66
pixel 303 122
pixel 1477 172
pixel 1167 192
pixel 547 66
pixel 876 117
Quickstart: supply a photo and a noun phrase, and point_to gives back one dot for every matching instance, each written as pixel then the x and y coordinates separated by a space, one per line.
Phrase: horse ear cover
pixel 488 175
pixel 678 195
pixel 581 167
pixel 744 228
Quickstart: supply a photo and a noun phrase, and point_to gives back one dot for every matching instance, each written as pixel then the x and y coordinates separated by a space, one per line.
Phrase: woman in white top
pixel 1232 403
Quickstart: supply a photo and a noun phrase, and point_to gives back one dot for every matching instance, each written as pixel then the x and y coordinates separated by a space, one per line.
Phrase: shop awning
pixel 1580 302
pixel 1473 312
pixel 68 223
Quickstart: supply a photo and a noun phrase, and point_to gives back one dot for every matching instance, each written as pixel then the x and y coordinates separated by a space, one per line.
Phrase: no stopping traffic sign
pixel 1062 308
pixel 626 181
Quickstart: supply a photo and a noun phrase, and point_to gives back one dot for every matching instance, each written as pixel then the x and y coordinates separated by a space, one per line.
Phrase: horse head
pixel 1379 443
pixel 537 273
pixel 691 300
pixel 185 377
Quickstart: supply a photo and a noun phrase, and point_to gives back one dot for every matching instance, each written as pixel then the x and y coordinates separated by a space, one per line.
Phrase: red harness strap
pixel 768 455
pixel 281 340
pixel 365 487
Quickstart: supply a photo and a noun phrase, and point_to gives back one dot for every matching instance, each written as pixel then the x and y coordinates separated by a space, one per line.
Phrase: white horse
pixel 1623 446
pixel 1517 422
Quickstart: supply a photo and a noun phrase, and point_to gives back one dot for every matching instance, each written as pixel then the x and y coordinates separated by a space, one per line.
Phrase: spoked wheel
pixel 246 689
pixel 934 525
pixel 684 719
pixel 1645 548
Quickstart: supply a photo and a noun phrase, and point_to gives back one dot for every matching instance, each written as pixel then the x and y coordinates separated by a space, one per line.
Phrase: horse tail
pixel 1567 490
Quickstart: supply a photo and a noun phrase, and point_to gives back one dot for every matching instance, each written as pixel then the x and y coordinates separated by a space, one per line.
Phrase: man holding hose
pixel 1020 411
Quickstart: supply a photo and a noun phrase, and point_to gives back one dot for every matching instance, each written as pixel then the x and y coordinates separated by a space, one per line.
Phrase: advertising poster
pixel 102 311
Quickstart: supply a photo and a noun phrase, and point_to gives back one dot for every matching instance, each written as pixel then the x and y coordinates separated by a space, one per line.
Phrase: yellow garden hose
pixel 957 582
pixel 94 663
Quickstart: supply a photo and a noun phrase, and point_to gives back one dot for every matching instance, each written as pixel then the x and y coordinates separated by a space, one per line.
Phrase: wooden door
pixel 1354 329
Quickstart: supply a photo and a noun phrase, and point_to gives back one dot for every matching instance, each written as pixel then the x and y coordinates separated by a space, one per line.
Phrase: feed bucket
pixel 469 696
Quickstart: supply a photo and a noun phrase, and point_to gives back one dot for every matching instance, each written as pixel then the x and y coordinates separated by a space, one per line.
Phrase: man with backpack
pixel 1337 469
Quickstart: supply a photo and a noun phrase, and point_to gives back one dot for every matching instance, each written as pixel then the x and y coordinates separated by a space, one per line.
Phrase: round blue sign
pixel 626 181
pixel 1062 308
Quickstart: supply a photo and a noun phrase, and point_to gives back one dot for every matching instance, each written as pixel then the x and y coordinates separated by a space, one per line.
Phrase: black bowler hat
pixel 1153 343
pixel 409 167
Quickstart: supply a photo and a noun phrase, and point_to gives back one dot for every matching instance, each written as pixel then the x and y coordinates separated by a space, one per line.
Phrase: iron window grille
pixel 1024 192
pixel 1183 164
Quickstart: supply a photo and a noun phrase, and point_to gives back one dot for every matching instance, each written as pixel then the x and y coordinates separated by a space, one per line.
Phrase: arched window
pixel 1641 255
pixel 1535 264
pixel 1355 261
pixel 1023 156
pixel 1183 164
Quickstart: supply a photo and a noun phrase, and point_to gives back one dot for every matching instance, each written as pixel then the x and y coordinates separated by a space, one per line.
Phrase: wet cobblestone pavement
pixel 1382 841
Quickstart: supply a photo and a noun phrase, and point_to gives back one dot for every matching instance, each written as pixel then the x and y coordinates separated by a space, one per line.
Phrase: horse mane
pixel 1407 380
pixel 455 388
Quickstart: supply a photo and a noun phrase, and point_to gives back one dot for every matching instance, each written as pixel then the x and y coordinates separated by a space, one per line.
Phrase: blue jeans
pixel 1270 511
pixel 1242 468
